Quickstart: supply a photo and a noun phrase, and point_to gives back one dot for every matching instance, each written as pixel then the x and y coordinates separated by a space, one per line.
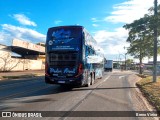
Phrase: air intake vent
pixel 63 59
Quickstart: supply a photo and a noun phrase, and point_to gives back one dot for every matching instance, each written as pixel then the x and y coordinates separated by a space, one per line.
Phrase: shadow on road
pixel 57 89
pixel 51 90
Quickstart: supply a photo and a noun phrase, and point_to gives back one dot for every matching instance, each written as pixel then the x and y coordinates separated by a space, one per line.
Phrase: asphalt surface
pixel 116 91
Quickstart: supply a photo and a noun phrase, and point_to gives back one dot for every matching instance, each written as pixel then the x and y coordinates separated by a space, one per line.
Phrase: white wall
pixel 16 64
pixel 7 63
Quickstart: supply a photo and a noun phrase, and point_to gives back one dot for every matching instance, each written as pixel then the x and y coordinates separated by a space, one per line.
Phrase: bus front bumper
pixel 67 81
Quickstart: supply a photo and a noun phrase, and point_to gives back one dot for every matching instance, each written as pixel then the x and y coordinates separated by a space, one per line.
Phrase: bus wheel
pixel 89 81
pixel 92 80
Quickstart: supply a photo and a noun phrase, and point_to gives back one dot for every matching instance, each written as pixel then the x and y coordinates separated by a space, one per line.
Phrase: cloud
pixel 57 22
pixel 112 42
pixel 22 19
pixel 95 25
pixel 94 20
pixel 10 31
pixel 129 11
pixel 4 37
pixel 117 34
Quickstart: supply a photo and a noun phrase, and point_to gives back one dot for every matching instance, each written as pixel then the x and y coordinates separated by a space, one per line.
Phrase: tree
pixel 129 61
pixel 6 62
pixel 130 64
pixel 141 35
pixel 140 39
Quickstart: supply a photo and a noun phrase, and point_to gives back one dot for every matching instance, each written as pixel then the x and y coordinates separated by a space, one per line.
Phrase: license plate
pixel 61 81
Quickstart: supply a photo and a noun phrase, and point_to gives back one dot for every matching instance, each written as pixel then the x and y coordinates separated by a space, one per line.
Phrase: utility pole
pixel 155 44
pixel 125 61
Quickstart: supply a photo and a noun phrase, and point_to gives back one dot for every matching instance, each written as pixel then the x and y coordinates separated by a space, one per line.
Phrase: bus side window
pixel 89 50
pixel 86 51
pixel 94 52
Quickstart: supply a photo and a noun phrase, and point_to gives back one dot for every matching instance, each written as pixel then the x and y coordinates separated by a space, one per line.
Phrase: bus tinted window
pixel 65 35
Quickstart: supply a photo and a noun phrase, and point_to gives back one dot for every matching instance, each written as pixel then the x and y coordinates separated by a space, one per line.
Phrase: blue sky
pixel 29 20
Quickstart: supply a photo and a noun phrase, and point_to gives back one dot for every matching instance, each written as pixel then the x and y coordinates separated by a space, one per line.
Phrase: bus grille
pixel 63 59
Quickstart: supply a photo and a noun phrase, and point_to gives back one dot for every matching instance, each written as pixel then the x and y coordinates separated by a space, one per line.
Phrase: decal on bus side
pixel 62 36
pixel 52 70
pixel 66 70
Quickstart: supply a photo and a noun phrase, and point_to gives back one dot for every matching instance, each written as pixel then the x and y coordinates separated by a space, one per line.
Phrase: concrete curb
pixel 20 76
pixel 142 98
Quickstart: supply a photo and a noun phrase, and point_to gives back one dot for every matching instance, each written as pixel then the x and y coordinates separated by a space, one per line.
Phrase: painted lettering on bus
pixel 67 70
pixel 52 70
pixel 62 36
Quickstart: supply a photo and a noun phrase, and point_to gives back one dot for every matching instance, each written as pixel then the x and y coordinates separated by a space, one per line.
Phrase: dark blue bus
pixel 72 57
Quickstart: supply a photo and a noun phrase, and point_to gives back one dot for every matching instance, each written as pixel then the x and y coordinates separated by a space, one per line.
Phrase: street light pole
pixel 125 59
pixel 125 62
pixel 155 44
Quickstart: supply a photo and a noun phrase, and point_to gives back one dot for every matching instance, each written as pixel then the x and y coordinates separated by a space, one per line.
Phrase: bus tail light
pixel 80 70
pixel 46 69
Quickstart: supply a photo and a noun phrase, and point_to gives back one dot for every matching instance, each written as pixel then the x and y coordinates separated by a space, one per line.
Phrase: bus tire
pixel 89 80
pixel 93 79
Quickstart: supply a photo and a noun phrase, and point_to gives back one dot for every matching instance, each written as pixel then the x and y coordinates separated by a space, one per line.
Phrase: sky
pixel 29 20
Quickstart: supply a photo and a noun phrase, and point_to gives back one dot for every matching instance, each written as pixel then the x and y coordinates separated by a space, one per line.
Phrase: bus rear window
pixel 64 35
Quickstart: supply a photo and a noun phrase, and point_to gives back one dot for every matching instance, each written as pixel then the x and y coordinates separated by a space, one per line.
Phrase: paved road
pixel 115 92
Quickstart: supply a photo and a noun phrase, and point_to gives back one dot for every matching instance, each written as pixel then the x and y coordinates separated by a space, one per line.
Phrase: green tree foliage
pixel 129 61
pixel 141 36
pixel 130 64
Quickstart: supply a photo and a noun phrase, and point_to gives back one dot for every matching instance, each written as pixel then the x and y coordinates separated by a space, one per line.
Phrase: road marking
pixel 106 78
pixel 121 77
pixel 100 83
pixel 82 100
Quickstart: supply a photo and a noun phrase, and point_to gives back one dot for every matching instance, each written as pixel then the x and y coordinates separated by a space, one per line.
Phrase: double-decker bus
pixel 72 57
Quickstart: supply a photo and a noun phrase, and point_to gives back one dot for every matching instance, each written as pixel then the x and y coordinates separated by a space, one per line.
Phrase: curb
pixel 20 76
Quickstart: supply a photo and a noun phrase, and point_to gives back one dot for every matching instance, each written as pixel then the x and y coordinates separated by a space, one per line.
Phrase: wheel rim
pixel 89 81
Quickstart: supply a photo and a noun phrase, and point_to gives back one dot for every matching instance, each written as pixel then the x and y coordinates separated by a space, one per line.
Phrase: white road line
pixel 106 78
pixel 121 77
pixel 103 81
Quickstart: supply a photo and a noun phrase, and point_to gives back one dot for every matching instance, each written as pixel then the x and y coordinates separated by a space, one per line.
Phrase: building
pixel 30 56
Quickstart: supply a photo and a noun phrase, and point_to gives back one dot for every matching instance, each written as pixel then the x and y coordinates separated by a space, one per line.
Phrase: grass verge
pixel 150 90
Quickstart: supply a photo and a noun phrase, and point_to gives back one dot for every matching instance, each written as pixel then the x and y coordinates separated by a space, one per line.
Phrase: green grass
pixel 151 90
pixel 142 75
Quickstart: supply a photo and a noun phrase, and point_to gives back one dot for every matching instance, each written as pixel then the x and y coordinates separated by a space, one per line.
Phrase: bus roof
pixel 73 26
